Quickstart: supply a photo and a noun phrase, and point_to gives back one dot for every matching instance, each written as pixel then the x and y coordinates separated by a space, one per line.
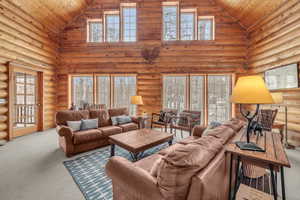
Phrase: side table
pixel 274 158
pixel 143 120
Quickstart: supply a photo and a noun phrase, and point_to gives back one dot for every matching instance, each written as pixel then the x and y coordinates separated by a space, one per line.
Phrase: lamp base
pixel 249 146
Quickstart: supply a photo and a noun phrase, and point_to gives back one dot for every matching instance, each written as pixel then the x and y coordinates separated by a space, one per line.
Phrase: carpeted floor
pixel 31 168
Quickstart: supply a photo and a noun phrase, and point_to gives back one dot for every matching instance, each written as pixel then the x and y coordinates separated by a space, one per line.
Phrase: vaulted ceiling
pixel 56 14
pixel 249 12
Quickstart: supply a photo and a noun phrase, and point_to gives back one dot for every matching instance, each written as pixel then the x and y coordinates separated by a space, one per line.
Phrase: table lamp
pixel 250 90
pixel 137 100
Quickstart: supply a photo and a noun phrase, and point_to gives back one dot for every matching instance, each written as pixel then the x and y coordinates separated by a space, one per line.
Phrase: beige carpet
pixel 31 169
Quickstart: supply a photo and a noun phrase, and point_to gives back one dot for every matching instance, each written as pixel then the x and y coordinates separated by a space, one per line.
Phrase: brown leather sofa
pixel 195 168
pixel 80 141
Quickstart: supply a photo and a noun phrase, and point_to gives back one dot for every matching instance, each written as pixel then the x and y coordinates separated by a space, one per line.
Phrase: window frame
pixel 128 5
pixel 105 14
pixel 88 30
pixel 204 121
pixel 171 3
pixel 95 86
pixel 213 26
pixel 194 12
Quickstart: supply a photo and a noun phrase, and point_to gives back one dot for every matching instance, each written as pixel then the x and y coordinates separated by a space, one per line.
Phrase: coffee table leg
pixel 112 150
pixel 170 142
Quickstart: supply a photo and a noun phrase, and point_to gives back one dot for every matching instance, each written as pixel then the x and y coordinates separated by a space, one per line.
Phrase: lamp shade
pixel 137 100
pixel 251 90
pixel 277 97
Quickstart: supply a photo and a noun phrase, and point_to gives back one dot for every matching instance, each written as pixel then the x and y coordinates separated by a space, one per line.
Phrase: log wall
pixel 275 41
pixel 23 40
pixel 226 54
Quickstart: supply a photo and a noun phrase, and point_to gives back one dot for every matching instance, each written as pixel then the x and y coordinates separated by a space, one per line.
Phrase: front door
pixel 26 107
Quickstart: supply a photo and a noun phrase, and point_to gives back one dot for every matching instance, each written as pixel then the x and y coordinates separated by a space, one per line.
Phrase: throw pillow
pixel 123 119
pixel 211 126
pixel 183 119
pixel 162 115
pixel 74 125
pixel 89 124
pixel 114 120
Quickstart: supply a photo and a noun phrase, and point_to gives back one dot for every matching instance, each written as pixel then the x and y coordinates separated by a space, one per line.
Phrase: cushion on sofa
pixel 222 132
pixel 87 124
pixel 124 119
pixel 102 116
pixel 70 115
pixel 235 124
pixel 129 127
pixel 178 167
pixel 74 125
pixel 117 112
pixel 81 137
pixel 110 130
pixel 171 148
pixel 188 140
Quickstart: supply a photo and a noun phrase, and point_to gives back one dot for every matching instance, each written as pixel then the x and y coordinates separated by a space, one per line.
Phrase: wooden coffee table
pixel 137 141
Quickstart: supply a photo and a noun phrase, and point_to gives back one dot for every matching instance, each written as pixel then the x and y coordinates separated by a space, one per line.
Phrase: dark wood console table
pixel 274 158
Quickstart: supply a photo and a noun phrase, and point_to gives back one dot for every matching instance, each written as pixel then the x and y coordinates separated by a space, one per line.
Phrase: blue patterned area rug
pixel 88 171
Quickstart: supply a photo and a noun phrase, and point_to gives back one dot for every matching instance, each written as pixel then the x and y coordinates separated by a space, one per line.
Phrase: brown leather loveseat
pixel 73 142
pixel 195 168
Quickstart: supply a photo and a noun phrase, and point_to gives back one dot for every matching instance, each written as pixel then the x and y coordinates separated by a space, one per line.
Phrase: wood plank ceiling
pixel 249 12
pixel 53 14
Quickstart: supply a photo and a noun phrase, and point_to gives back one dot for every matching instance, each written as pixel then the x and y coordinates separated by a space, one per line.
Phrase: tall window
pixel 95 32
pixel 219 106
pixel 103 90
pixel 111 90
pixel 174 90
pixel 187 24
pixel 170 21
pixel 82 89
pixel 206 93
pixel 197 94
pixel 112 26
pixel 206 28
pixel 124 88
pixel 129 22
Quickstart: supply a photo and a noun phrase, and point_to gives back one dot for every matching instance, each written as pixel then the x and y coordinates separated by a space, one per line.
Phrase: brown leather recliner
pixel 80 141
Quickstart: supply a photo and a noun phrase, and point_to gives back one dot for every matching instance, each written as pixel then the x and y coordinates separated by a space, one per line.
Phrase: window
pixel 124 88
pixel 95 32
pixel 206 28
pixel 111 90
pixel 112 26
pixel 206 93
pixel 82 90
pixel 170 20
pixel 129 22
pixel 103 90
pixel 197 91
pixel 174 90
pixel 187 25
pixel 219 90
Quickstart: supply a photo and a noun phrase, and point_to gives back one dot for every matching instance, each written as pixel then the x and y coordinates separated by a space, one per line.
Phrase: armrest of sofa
pixel 132 179
pixel 135 119
pixel 198 130
pixel 64 131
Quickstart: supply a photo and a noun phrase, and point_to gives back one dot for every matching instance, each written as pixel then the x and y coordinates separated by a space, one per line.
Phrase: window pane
pixel 197 93
pixel 170 22
pixel 95 32
pixel 187 26
pixel 103 90
pixel 219 90
pixel 124 88
pixel 112 28
pixel 205 29
pixel 82 90
pixel 174 92
pixel 129 24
